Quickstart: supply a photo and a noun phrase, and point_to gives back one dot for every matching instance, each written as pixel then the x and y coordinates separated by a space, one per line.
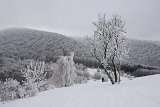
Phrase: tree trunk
pixel 119 79
pixel 111 79
pixel 119 76
pixel 115 71
pixel 104 66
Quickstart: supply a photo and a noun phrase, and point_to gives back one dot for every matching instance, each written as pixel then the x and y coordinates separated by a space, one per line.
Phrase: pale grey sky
pixel 75 17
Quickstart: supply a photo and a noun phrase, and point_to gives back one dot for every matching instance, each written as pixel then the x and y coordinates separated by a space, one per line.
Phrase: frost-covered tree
pixel 34 76
pixel 65 73
pixel 108 44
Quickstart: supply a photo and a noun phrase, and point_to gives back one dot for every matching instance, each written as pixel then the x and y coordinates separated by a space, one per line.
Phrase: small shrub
pixel 79 72
pixel 83 73
pixel 97 76
pixel 79 66
pixel 46 86
pixel 86 75
pixel 9 90
pixel 80 80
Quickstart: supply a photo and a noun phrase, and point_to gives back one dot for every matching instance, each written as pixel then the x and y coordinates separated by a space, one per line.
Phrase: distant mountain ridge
pixel 36 44
pixel 29 43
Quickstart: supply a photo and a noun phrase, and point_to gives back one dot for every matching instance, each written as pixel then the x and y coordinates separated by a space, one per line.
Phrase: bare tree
pixel 108 44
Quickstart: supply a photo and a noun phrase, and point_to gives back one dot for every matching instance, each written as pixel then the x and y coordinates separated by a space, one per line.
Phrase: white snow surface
pixel 139 92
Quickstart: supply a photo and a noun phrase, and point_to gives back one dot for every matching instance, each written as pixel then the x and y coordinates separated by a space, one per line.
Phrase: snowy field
pixel 139 92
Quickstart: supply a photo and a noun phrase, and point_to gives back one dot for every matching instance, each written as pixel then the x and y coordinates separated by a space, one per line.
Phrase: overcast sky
pixel 75 17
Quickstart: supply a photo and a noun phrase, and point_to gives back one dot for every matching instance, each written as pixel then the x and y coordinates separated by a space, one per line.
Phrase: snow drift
pixel 139 92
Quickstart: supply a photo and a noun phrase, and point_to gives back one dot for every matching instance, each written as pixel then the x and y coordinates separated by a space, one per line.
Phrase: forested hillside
pixel 144 52
pixel 35 44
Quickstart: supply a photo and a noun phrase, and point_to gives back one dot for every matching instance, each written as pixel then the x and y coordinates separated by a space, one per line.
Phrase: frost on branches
pixel 108 44
pixel 65 74
pixel 34 77
pixel 9 90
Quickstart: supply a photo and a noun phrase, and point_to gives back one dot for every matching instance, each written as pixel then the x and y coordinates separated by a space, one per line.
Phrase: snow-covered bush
pixel 79 72
pixel 9 89
pixel 86 74
pixel 65 73
pixel 80 80
pixel 82 75
pixel 34 77
pixel 34 81
pixel 46 86
pixel 79 66
pixel 97 76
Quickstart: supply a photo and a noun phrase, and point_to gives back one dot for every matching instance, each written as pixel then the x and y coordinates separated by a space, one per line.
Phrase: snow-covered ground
pixel 139 92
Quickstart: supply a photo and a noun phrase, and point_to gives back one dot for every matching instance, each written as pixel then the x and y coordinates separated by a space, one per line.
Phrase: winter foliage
pixel 9 90
pixel 65 74
pixel 34 78
pixel 97 76
pixel 81 76
pixel 32 61
pixel 108 44
pixel 34 75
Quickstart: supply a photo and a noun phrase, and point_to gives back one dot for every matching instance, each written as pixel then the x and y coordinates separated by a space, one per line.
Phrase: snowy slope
pixel 139 92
